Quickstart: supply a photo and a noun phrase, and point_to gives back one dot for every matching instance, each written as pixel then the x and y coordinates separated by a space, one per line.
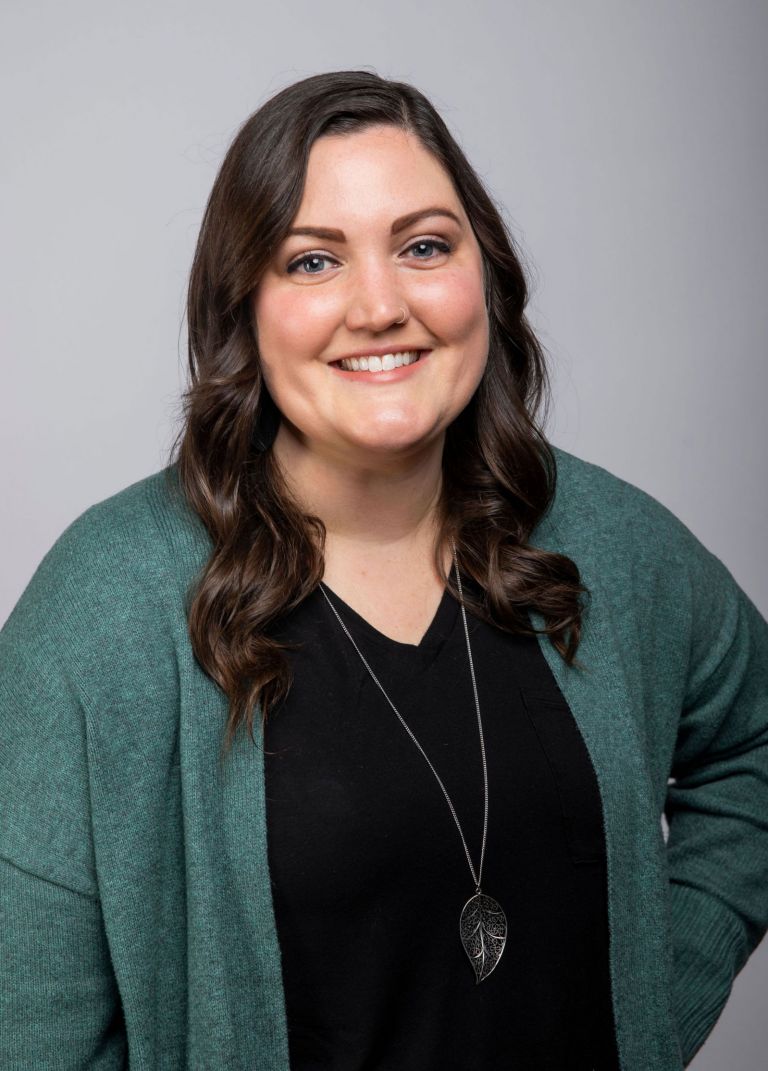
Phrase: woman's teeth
pixel 379 364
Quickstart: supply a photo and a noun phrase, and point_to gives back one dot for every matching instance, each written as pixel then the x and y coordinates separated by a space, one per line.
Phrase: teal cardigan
pixel 137 920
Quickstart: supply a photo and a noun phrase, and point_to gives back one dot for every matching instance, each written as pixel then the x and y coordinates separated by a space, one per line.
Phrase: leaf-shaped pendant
pixel 483 929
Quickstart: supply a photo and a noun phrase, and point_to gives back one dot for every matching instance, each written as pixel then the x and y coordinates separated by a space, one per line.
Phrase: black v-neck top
pixel 369 874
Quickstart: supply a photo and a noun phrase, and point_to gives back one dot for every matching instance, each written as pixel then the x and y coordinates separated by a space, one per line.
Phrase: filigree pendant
pixel 483 929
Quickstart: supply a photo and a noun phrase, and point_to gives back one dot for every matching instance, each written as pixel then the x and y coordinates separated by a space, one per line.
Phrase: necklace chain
pixel 476 877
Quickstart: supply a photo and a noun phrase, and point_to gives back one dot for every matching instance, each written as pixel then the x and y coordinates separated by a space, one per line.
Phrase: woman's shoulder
pixel 119 571
pixel 140 535
pixel 609 516
pixel 590 491
pixel 653 568
pixel 149 511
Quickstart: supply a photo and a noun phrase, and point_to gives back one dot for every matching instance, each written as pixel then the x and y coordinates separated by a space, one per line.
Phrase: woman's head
pixel 403 273
pixel 355 152
pixel 277 173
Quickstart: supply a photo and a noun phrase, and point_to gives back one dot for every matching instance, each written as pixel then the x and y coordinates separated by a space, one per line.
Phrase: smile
pixel 386 369
pixel 379 364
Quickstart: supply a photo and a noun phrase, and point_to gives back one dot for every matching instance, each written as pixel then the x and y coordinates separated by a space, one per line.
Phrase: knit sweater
pixel 138 926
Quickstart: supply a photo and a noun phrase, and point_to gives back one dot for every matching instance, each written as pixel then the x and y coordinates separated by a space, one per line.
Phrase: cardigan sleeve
pixel 59 1001
pixel 717 806
pixel 59 1006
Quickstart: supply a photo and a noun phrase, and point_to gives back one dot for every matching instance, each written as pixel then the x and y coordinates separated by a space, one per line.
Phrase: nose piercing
pixel 403 319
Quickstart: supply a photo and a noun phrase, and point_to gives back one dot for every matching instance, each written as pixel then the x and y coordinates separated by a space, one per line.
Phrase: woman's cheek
pixel 453 303
pixel 295 320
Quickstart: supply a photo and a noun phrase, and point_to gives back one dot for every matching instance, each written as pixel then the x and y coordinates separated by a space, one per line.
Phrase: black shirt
pixel 368 870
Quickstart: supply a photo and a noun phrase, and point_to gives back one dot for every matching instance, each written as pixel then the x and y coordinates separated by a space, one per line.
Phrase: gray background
pixel 626 141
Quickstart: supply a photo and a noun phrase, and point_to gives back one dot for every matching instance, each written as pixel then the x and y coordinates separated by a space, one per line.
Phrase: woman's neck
pixel 366 504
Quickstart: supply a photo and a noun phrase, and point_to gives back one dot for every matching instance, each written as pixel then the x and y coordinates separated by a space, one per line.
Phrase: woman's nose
pixel 375 300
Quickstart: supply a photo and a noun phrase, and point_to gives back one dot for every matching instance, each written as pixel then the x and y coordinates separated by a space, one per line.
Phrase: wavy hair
pixel 499 472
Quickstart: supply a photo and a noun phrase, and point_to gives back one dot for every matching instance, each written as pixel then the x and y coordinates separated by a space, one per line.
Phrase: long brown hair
pixel 499 472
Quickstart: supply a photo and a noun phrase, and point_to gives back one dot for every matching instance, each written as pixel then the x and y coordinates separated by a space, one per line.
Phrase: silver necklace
pixel 482 923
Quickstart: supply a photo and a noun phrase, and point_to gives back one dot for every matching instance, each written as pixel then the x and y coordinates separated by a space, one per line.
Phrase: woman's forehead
pixel 335 206
pixel 380 175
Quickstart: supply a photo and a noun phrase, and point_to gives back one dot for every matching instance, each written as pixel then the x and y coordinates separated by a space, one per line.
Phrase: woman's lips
pixel 394 375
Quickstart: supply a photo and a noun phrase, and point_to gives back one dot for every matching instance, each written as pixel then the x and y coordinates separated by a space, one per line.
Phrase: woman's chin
pixel 364 442
pixel 389 443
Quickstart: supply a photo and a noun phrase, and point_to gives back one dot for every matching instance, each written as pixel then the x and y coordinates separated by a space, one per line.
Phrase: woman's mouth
pixel 389 367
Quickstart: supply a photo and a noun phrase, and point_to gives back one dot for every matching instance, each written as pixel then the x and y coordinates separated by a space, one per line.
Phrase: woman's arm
pixel 59 1003
pixel 717 809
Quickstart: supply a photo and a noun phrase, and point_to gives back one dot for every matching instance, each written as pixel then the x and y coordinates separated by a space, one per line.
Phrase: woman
pixel 344 741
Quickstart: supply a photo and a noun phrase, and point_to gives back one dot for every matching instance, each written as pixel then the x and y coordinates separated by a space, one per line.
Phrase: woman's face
pixel 327 296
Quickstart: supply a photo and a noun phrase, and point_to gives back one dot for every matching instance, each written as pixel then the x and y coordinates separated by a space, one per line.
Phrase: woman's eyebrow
pixel 330 234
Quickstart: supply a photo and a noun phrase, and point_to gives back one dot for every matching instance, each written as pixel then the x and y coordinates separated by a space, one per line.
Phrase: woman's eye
pixel 307 258
pixel 429 242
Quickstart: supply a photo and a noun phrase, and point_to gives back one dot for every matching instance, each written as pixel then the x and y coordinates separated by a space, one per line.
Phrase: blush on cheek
pixel 294 320
pixel 454 304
